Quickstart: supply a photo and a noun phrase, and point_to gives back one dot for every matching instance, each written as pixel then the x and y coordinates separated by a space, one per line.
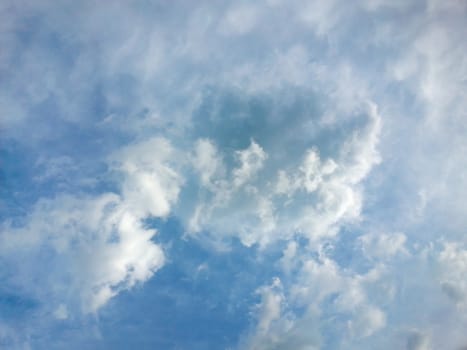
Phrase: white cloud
pixel 312 198
pixel 239 20
pixel 321 16
pixel 309 176
pixel 325 292
pixel 99 241
pixel 382 245
pixel 271 324
pixel 367 321
pixel 270 307
pixel 207 162
pixel 100 246
pixel 250 162
pixel 288 259
pixel 453 261
pixel 150 185
pixel 154 76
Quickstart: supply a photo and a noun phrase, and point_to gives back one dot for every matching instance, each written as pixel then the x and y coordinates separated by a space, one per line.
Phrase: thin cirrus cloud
pixel 294 170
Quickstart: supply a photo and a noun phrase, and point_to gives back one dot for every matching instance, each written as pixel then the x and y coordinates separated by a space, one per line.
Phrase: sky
pixel 233 175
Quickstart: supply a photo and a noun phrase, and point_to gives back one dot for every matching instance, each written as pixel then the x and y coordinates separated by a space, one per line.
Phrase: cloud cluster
pixel 87 248
pixel 330 132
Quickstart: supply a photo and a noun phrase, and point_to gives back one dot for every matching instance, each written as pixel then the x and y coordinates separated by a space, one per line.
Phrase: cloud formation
pixel 324 140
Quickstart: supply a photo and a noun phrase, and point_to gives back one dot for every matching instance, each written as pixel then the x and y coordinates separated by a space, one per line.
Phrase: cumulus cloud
pixel 100 246
pixel 207 162
pixel 100 241
pixel 318 143
pixel 266 203
pixel 270 307
pixel 327 297
pixel 368 321
pixel 250 161
pixel 150 184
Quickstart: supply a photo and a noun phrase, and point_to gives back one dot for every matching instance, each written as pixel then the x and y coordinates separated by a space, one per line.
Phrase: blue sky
pixel 251 175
